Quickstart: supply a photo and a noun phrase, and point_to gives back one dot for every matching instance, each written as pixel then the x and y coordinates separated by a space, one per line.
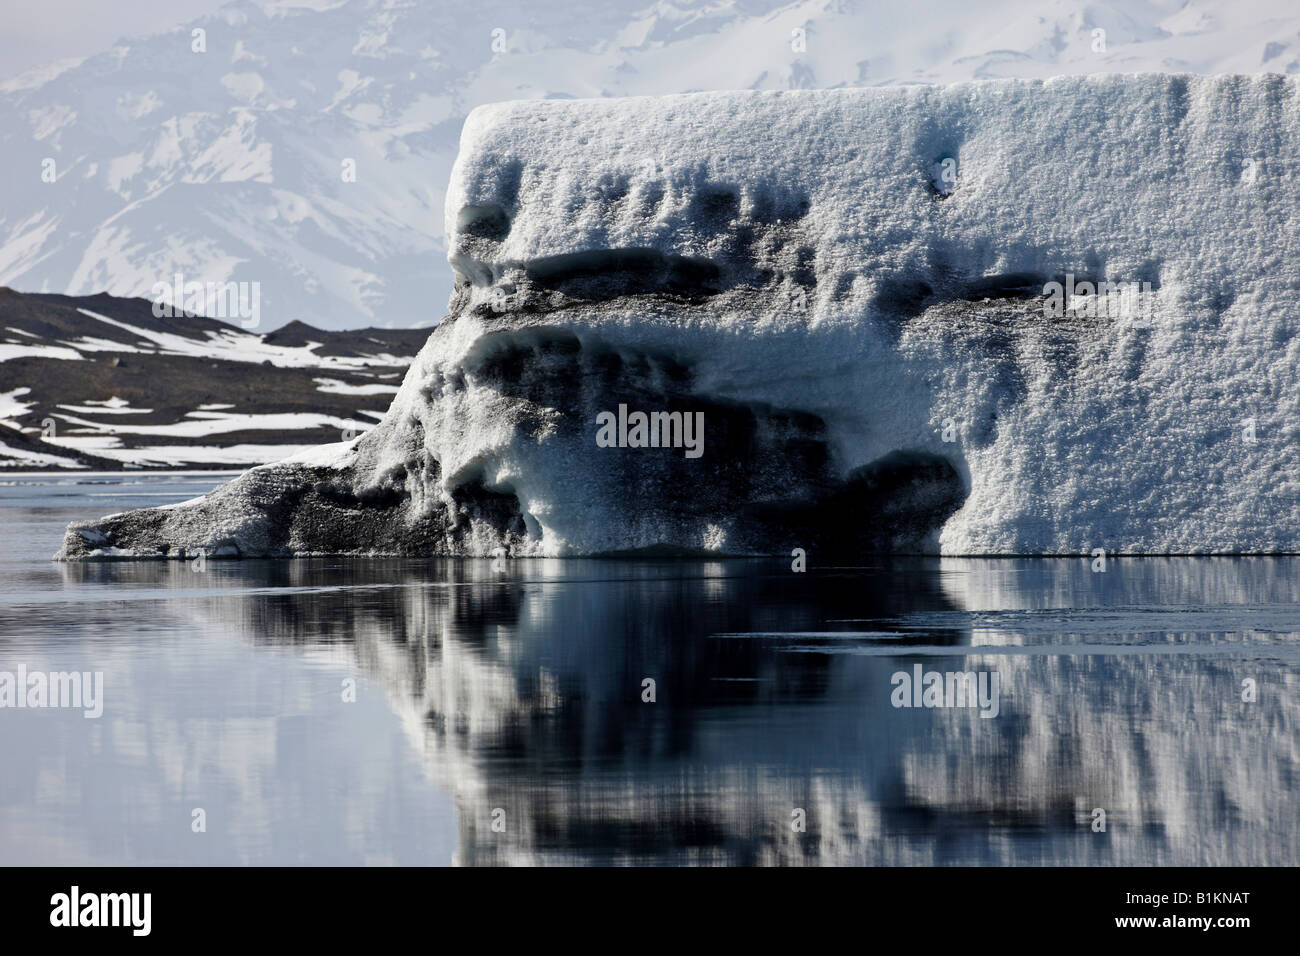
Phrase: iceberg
pixel 992 318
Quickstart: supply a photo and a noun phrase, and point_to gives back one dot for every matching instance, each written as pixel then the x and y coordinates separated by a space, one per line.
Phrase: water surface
pixel 331 711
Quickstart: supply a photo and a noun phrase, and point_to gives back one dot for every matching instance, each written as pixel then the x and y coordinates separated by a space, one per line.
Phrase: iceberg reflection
pixel 521 684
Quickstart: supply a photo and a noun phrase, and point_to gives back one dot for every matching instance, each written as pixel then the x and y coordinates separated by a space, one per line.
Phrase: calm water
pixel 498 712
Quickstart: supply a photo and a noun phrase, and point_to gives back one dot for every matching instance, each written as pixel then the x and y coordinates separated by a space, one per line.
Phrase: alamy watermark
pixel 129 910
pixel 66 689
pixel 215 300
pixel 1132 301
pixel 980 689
pixel 651 430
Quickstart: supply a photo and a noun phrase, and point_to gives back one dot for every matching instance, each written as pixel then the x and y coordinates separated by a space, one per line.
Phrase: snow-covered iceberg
pixel 990 318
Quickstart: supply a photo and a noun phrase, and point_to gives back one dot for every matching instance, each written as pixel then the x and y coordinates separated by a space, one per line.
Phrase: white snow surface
pixel 11 457
pixel 1140 442
pixel 11 407
pixel 334 386
pixel 228 344
pixel 201 424
pixel 174 456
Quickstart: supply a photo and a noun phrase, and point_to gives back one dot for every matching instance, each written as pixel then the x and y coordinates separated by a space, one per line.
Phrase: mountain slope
pixel 100 382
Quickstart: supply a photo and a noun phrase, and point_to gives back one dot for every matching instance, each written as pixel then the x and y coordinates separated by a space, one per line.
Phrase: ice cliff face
pixel 854 288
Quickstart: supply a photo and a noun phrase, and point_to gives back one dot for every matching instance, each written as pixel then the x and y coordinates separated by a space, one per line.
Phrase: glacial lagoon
pixel 479 712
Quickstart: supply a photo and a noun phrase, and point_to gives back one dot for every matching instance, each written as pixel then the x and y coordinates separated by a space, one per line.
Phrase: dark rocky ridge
pixel 165 388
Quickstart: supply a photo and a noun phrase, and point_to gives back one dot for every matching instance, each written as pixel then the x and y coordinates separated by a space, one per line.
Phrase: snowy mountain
pixel 305 145
pixel 100 382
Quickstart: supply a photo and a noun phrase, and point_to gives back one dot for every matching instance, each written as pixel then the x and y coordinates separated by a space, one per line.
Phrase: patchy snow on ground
pixel 232 346
pixel 10 406
pixel 201 424
pixel 10 351
pixel 110 406
pixel 336 387
pixel 180 455
pixel 14 458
